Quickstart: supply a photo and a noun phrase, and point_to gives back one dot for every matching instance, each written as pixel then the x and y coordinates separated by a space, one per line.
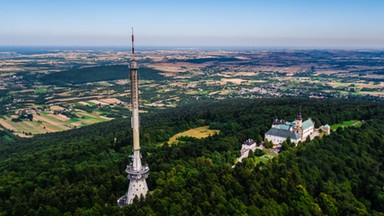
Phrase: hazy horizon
pixel 306 24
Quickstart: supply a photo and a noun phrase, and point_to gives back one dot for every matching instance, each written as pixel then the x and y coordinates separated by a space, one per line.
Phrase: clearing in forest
pixel 200 132
pixel 355 123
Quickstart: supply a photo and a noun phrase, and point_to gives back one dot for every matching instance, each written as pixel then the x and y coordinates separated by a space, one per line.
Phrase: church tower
pixel 299 124
pixel 299 120
pixel 137 173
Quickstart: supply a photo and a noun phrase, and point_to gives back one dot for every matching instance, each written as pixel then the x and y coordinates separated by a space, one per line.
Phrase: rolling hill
pixel 81 172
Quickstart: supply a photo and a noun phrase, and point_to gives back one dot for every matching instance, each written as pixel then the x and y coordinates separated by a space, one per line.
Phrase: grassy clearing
pixel 355 123
pixel 257 159
pixel 8 138
pixel 87 117
pixel 200 132
pixel 264 159
pixel 358 124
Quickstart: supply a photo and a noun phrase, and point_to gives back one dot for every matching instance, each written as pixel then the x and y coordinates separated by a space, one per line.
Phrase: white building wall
pixel 278 140
pixel 136 188
pixel 308 132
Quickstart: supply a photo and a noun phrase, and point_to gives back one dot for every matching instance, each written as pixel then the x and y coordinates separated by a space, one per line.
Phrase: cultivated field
pixel 46 122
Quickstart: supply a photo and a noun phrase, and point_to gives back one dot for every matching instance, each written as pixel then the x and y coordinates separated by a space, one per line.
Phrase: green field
pixel 355 123
pixel 40 90
pixel 264 159
pixel 92 119
pixel 73 120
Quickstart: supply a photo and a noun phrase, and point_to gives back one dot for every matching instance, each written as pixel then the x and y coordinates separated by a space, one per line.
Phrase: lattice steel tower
pixel 137 173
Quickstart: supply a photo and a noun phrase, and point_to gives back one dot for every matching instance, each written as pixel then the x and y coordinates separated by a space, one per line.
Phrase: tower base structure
pixel 137 185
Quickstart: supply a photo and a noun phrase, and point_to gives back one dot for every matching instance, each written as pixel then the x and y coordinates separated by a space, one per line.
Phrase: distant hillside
pixel 204 60
pixel 81 172
pixel 102 73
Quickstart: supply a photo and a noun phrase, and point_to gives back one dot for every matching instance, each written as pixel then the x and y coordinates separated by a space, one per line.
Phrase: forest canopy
pixel 81 172
pixel 94 74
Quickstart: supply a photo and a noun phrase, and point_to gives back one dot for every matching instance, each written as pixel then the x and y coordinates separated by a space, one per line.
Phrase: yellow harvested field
pixel 293 69
pixel 328 72
pixel 233 73
pixel 10 69
pixel 84 103
pixel 336 84
pixel 60 117
pixel 110 100
pixel 225 92
pixel 357 85
pixel 169 68
pixel 167 74
pixel 257 81
pixel 200 132
pixel 192 92
pixel 178 67
pixel 370 85
pixel 98 102
pixel 377 94
pixel 122 82
pixel 56 108
pixel 156 104
pixel 234 80
pixel 246 73
pixel 66 94
pixel 76 124
pixel 74 99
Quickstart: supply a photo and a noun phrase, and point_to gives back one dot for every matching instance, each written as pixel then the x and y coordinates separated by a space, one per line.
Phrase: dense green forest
pixel 94 74
pixel 81 172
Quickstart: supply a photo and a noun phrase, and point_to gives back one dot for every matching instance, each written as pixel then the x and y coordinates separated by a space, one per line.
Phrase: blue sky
pixel 249 23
